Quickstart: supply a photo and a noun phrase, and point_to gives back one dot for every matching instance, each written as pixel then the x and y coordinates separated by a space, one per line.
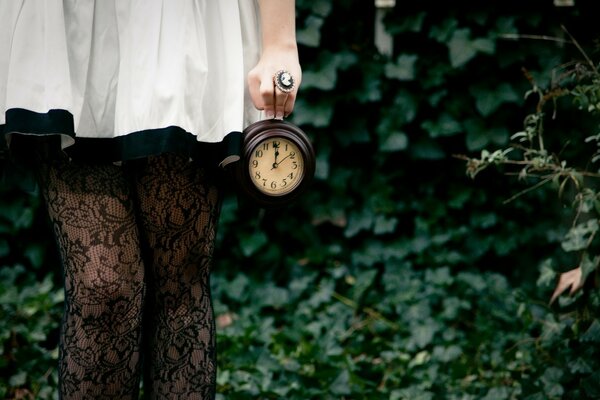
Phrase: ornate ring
pixel 284 81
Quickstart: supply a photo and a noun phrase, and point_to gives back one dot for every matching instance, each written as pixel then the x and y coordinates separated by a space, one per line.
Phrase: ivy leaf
pixel 580 366
pixel 443 32
pixel 413 24
pixel 570 279
pixel 317 114
pixel 575 278
pixel 427 150
pixel 395 141
pixel 324 75
pixel 237 289
pixel 324 78
pixel 310 34
pixel 250 244
pixel 321 7
pixel 411 393
pixel 446 125
pixel 593 333
pixel 274 296
pixel 497 393
pixel 341 384
pixel 463 49
pixel 18 379
pixel 547 274
pixel 384 224
pixel 478 139
pixel 363 281
pixel 447 354
pixel 578 237
pixel 488 100
pixel 18 215
pixel 403 69
pixel 406 106
pixel 35 253
pixel 423 333
pixel 358 222
pixel 550 380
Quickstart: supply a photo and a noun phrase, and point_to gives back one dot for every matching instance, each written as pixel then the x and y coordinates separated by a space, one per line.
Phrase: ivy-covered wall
pixel 396 276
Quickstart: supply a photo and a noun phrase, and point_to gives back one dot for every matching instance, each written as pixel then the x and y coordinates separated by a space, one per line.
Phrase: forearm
pixel 279 52
pixel 278 20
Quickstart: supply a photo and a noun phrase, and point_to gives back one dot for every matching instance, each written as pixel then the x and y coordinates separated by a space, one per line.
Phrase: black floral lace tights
pixel 136 242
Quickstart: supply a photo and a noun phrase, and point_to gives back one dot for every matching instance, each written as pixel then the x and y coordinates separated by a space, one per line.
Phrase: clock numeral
pixel 291 175
pixel 284 183
pixel 292 155
pixel 295 165
pixel 255 163
pixel 265 146
pixel 258 154
pixel 257 175
pixel 276 144
pixel 273 185
pixel 264 182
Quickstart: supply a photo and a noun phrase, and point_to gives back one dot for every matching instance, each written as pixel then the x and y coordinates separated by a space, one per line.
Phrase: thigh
pixel 93 218
pixel 179 205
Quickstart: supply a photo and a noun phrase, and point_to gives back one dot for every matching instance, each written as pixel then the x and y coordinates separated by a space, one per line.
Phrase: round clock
pixel 277 163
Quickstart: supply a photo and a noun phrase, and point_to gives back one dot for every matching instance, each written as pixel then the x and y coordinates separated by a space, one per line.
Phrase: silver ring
pixel 284 81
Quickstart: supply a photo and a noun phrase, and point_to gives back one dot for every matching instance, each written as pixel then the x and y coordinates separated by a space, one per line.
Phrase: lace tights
pixel 136 242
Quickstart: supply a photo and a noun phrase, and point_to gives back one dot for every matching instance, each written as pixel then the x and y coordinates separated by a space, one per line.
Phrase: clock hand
pixel 276 164
pixel 282 159
pixel 276 147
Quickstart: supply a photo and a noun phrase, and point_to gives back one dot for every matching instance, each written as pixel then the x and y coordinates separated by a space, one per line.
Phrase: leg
pixel 93 220
pixel 179 209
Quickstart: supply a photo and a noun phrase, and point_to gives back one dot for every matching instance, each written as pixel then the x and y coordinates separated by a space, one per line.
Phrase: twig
pixel 529 189
pixel 367 310
pixel 516 36
pixel 590 62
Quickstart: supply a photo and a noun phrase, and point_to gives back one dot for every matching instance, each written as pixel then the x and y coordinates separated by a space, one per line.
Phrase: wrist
pixel 280 46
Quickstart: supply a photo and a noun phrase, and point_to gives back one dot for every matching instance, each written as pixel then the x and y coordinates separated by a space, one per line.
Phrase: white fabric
pixel 122 66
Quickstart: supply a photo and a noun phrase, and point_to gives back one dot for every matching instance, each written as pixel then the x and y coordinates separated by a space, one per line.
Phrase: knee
pixel 106 284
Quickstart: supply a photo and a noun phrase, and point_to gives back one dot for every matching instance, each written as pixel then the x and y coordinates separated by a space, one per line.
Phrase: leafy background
pixel 396 276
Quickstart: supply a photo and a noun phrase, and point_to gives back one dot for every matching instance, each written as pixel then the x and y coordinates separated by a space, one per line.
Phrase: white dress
pixel 123 79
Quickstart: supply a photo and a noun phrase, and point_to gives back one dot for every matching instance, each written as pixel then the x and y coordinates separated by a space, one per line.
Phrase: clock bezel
pixel 257 133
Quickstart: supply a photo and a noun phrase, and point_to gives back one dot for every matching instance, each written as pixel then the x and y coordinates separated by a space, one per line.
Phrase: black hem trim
pixel 28 127
pixel 20 120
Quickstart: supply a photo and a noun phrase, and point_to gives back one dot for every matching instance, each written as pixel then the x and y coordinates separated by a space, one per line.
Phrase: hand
pixel 264 94
pixel 276 164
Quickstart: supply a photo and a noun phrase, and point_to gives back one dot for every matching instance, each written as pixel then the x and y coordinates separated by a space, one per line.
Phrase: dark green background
pixel 396 276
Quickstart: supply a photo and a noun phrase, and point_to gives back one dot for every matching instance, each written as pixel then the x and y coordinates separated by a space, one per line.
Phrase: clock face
pixel 276 166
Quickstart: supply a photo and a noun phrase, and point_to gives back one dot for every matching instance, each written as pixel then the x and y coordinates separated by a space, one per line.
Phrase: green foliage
pixel 394 328
pixel 29 312
pixel 395 277
pixel 576 184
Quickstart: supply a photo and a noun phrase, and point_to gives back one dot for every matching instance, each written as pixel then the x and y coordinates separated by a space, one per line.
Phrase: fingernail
pixel 279 115
pixel 269 114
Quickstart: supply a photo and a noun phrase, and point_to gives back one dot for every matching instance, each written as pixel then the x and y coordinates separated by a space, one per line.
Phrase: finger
pixel 280 103
pixel 254 90
pixel 267 95
pixel 285 84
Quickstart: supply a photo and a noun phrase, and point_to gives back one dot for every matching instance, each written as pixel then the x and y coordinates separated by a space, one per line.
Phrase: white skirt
pixel 130 77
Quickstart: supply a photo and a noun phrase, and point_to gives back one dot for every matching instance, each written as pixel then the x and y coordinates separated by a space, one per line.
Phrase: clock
pixel 277 163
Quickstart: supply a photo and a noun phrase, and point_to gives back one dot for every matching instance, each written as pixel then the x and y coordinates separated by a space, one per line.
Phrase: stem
pixel 516 36
pixel 590 62
pixel 372 313
pixel 529 189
